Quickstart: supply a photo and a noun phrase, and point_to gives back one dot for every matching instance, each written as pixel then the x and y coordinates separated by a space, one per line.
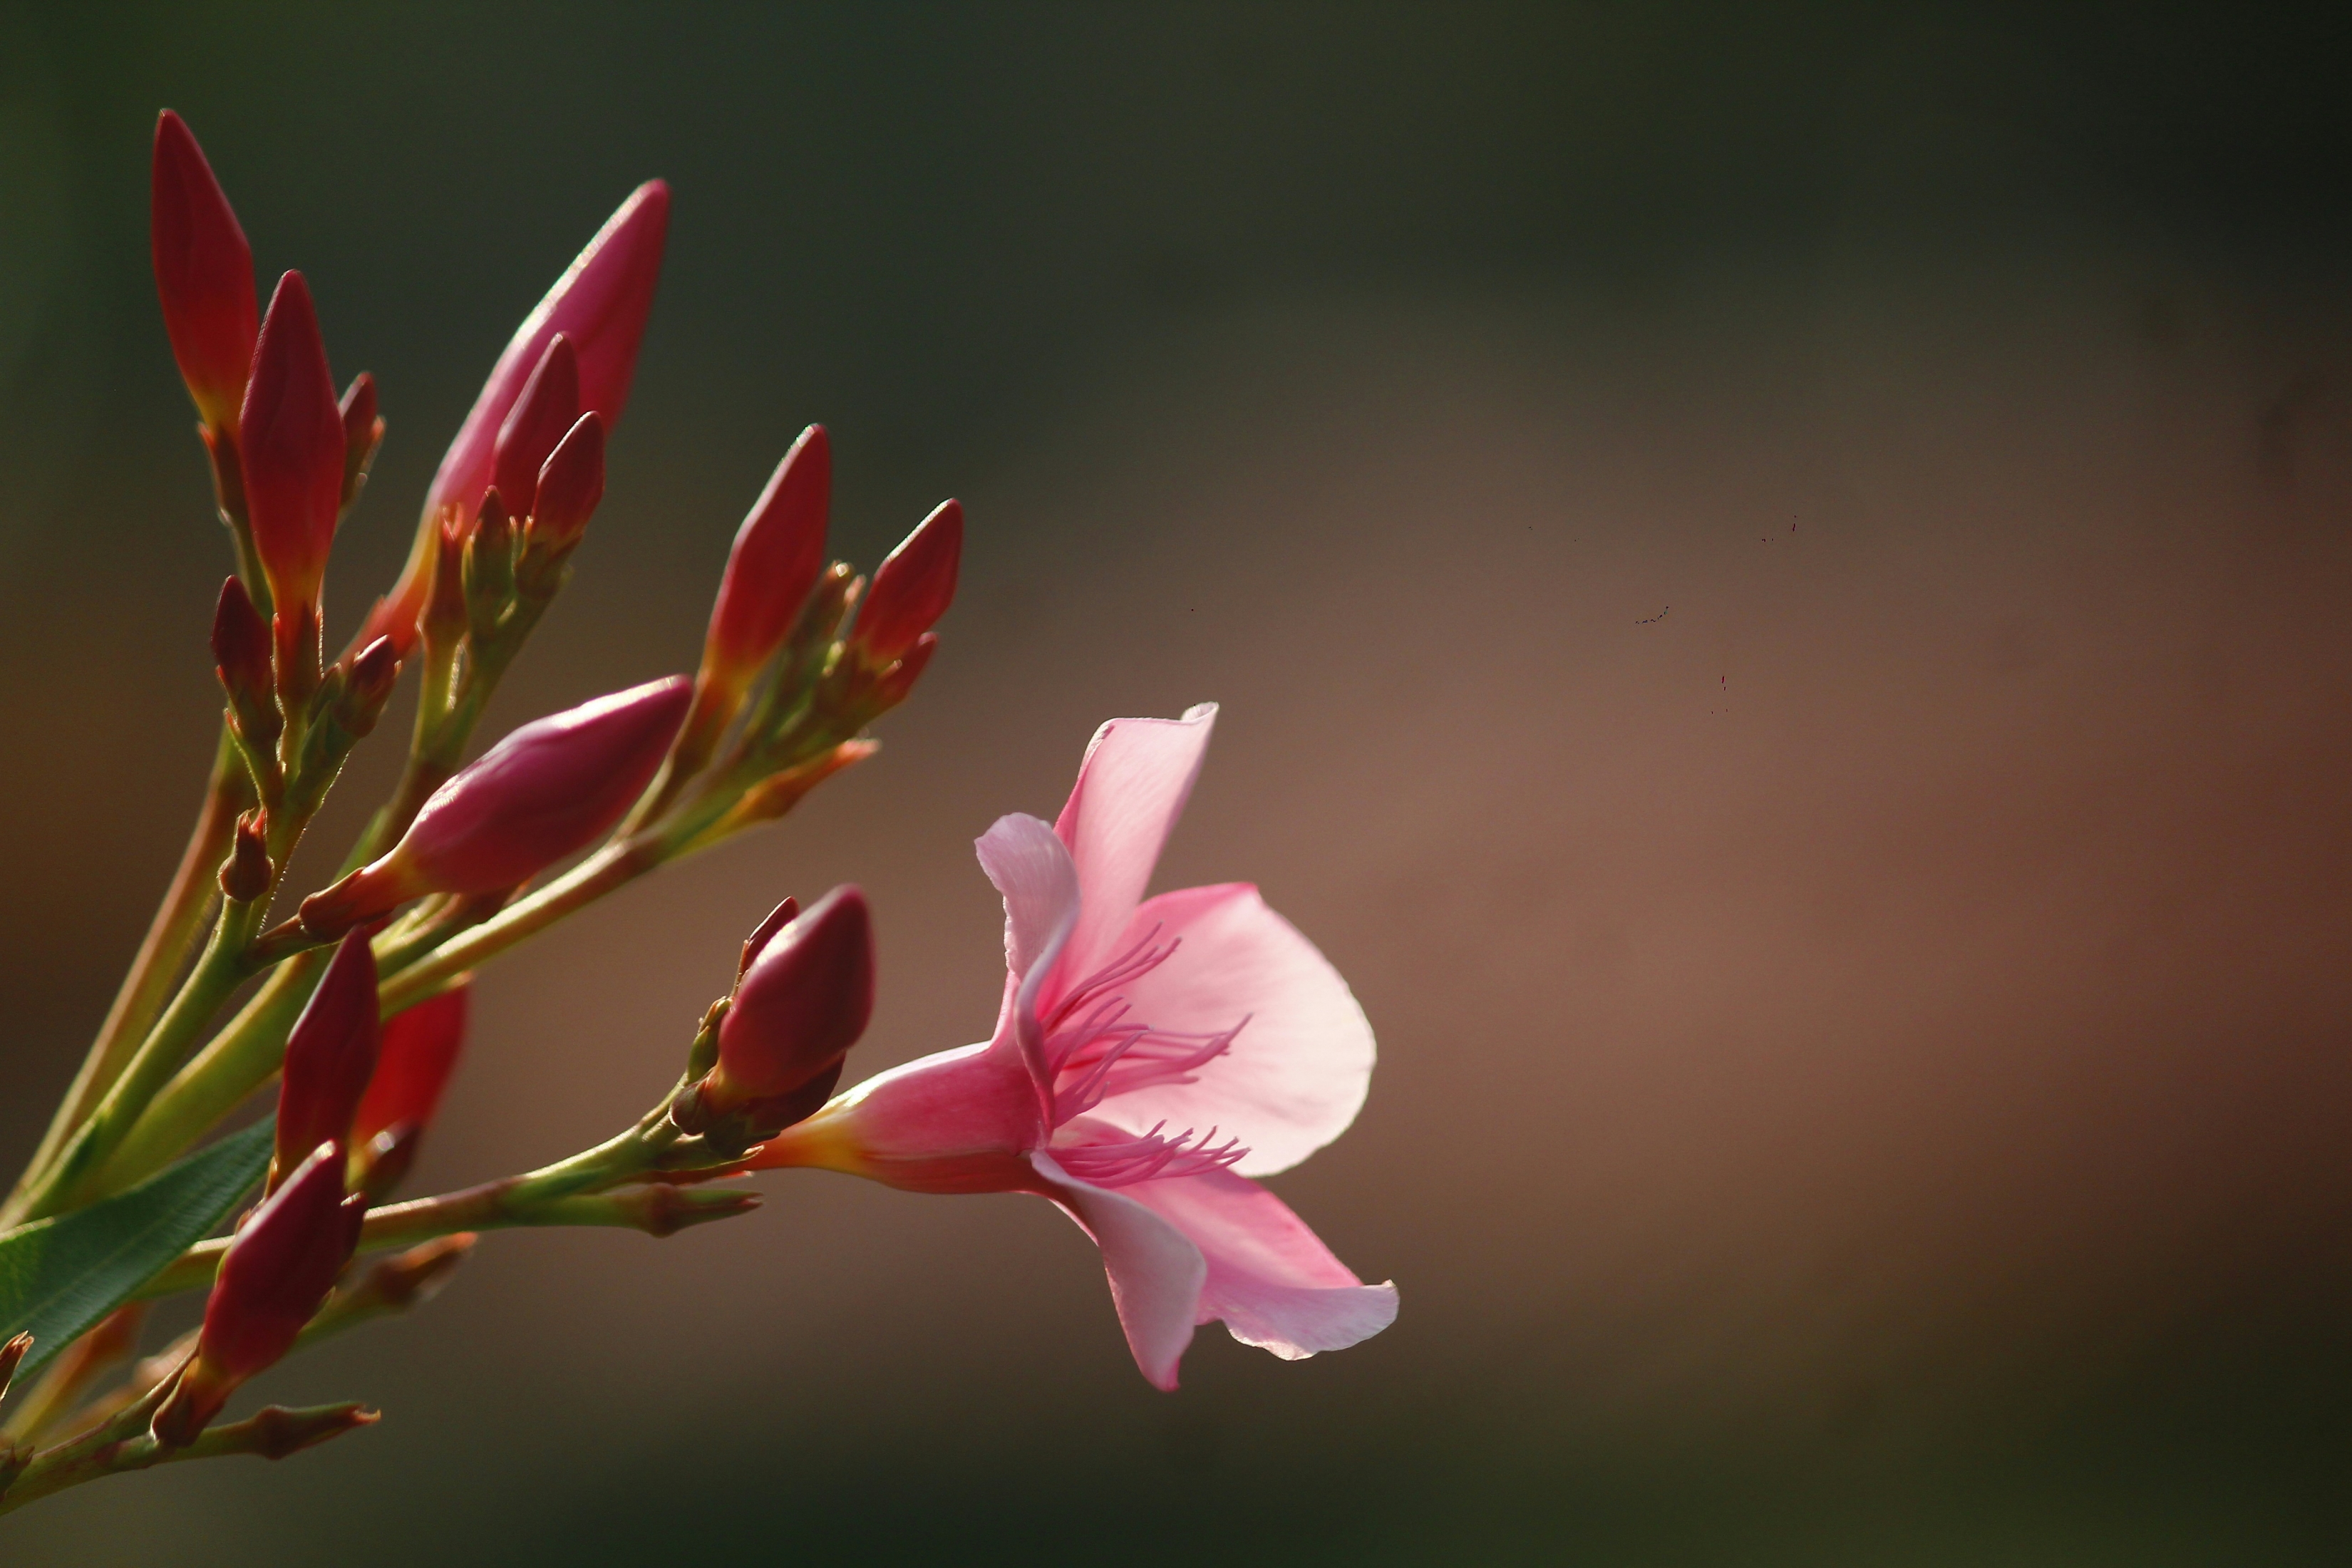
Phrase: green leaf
pixel 58 1277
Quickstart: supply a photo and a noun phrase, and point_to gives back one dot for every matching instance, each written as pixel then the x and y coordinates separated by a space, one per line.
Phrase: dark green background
pixel 1865 1054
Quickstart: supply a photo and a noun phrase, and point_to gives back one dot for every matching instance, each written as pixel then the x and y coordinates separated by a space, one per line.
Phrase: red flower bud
pixel 571 484
pixel 778 554
pixel 413 1066
pixel 241 659
pixel 374 671
pixel 899 680
pixel 290 447
pixel 803 1002
pixel 203 273
pixel 600 304
pixel 277 1269
pixel 363 432
pixel 548 789
pixel 548 406
pixel 912 589
pixel 329 1057
pixel 245 875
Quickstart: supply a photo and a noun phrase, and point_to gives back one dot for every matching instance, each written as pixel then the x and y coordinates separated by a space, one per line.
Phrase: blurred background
pixel 1780 582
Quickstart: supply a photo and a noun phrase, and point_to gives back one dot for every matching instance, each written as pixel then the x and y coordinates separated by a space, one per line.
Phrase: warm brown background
pixel 1779 582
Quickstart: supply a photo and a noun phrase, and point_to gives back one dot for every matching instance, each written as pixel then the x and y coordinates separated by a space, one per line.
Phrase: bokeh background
pixel 1780 582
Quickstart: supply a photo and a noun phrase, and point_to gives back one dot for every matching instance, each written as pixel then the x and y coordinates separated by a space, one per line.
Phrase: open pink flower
pixel 1150 1057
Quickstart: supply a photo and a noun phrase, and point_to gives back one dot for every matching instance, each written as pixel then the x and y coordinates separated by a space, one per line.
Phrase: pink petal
pixel 1156 1275
pixel 1131 788
pixel 955 1121
pixel 1296 1075
pixel 1034 871
pixel 1272 1280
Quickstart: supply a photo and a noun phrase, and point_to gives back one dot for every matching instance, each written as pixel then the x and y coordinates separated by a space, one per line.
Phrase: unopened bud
pixel 912 588
pixel 374 671
pixel 290 448
pixel 241 659
pixel 777 557
pixel 489 566
pixel 203 273
pixel 418 1052
pixel 330 1057
pixel 445 611
pixel 10 1354
pixel 803 1001
pixel 363 434
pixel 245 875
pixel 548 406
pixel 278 1267
pixel 549 789
pixel 570 485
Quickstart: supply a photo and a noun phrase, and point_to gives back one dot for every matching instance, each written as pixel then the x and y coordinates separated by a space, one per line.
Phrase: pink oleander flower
pixel 1149 1058
pixel 600 305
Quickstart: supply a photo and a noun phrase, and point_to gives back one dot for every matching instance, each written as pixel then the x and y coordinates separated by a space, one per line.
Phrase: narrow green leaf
pixel 58 1277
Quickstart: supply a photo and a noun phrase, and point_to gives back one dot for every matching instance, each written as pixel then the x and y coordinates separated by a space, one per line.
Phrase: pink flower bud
pixel 600 304
pixel 549 406
pixel 329 1057
pixel 571 484
pixel 779 554
pixel 363 432
pixel 803 1002
pixel 291 447
pixel 413 1066
pixel 203 273
pixel 245 875
pixel 277 1269
pixel 550 788
pixel 241 649
pixel 912 589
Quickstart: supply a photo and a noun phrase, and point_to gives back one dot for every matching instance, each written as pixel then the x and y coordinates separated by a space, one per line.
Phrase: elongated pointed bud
pixel 912 588
pixel 371 674
pixel 803 1001
pixel 549 789
pixel 570 485
pixel 241 659
pixel 548 406
pixel 418 1053
pixel 203 274
pixel 277 1269
pixel 290 448
pixel 778 554
pixel 245 875
pixel 329 1057
pixel 10 1354
pixel 601 304
pixel 363 434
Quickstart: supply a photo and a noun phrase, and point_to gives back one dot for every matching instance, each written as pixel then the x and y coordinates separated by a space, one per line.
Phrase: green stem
pixel 147 986
pixel 657 1209
pixel 222 969
pixel 243 1057
pixel 612 867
